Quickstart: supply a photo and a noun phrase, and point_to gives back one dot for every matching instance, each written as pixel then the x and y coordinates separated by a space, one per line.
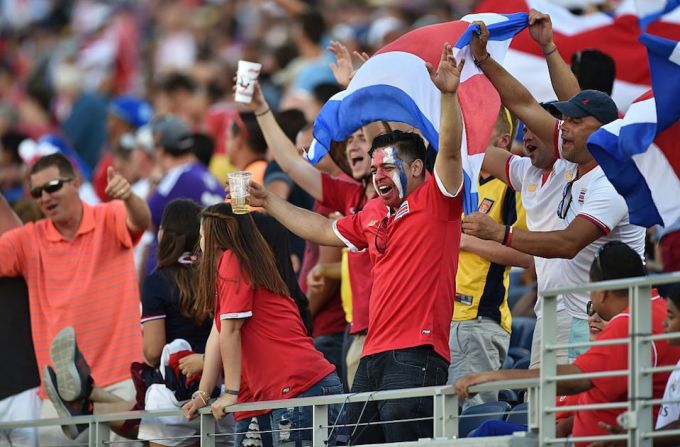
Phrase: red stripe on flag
pixel 668 142
pixel 427 42
pixel 481 105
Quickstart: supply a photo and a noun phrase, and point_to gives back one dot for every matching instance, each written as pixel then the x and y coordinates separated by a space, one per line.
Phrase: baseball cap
pixel 174 135
pixel 588 103
pixel 135 111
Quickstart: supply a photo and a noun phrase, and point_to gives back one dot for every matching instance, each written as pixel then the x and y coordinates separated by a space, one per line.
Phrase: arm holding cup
pixel 308 225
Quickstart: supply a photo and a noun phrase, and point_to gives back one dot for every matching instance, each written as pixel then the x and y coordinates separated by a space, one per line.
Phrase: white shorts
pixel 20 407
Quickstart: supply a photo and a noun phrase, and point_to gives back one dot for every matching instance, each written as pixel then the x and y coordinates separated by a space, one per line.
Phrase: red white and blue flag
pixel 640 153
pixel 616 34
pixel 394 85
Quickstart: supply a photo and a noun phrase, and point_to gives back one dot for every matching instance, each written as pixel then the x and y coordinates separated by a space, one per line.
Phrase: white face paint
pixel 392 157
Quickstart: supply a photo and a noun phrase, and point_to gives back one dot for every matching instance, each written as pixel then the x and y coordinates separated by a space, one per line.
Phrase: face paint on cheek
pixel 399 176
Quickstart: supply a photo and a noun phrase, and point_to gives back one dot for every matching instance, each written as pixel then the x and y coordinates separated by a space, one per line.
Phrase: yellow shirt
pixel 482 286
pixel 345 288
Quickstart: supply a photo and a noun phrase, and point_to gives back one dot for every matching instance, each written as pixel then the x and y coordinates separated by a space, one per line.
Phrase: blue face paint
pixel 399 175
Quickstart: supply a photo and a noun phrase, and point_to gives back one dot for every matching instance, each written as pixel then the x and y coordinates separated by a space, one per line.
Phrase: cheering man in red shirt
pixel 412 235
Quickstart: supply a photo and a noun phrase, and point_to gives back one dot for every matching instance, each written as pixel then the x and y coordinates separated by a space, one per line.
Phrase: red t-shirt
pixel 415 279
pixel 278 359
pixel 611 358
pixel 349 197
pixel 330 319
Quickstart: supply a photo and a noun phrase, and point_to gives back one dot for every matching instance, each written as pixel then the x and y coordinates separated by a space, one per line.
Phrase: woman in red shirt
pixel 258 341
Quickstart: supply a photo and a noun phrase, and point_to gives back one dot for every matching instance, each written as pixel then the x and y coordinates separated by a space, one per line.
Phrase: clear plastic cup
pixel 239 191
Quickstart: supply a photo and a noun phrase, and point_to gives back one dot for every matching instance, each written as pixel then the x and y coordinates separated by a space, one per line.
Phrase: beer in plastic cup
pixel 238 189
pixel 246 76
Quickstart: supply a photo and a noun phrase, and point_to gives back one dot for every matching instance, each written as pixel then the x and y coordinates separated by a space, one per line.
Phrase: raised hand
pixel 343 68
pixel 479 41
pixel 540 29
pixel 447 76
pixel 117 187
pixel 484 227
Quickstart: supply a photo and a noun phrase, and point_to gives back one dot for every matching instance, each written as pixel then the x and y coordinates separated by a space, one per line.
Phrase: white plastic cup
pixel 246 76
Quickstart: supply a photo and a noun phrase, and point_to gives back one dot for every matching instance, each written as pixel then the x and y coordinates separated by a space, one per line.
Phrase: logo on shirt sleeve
pixel 582 196
pixel 402 211
pixel 486 205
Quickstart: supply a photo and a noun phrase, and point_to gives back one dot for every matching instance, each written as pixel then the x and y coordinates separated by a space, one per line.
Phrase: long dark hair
pixel 224 230
pixel 181 225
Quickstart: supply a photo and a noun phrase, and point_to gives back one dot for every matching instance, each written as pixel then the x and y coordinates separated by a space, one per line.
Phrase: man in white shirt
pixel 602 213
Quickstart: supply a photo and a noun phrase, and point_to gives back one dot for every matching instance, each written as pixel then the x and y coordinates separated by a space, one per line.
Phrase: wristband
pixel 269 109
pixel 232 392
pixel 481 61
pixel 509 238
pixel 203 395
pixel 548 53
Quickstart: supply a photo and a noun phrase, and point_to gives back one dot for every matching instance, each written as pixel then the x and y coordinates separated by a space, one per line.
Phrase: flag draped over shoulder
pixel 394 85
pixel 640 154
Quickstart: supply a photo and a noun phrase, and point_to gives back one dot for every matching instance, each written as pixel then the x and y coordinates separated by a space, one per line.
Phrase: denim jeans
pixel 299 417
pixel 391 370
pixel 330 346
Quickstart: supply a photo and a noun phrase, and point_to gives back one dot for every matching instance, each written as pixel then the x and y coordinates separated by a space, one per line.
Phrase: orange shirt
pixel 257 168
pixel 88 283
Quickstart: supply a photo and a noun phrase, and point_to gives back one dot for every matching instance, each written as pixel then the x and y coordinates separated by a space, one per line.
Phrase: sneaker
pixel 73 372
pixel 65 409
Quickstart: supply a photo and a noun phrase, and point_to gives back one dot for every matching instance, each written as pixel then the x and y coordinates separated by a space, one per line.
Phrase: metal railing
pixel 541 392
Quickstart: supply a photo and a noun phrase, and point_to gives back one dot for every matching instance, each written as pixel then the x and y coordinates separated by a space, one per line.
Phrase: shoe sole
pixel 70 431
pixel 63 353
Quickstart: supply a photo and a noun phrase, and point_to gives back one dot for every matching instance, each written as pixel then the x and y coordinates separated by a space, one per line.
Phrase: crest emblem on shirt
pixel 582 196
pixel 531 187
pixel 569 176
pixel 486 205
pixel 402 211
pixel 372 223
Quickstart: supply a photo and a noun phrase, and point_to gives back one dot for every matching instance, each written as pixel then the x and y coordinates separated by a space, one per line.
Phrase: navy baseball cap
pixel 589 103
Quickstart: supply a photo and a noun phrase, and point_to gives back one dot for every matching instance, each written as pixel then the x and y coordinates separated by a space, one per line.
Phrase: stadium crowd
pixel 129 282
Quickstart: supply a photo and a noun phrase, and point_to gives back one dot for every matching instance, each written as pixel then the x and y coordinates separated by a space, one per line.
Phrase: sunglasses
pixel 565 203
pixel 381 236
pixel 49 187
pixel 590 310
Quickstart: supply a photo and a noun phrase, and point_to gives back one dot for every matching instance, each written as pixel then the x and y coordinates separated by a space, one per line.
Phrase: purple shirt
pixel 189 181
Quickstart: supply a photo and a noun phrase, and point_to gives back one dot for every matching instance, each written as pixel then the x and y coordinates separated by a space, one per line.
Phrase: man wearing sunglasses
pixel 590 208
pixel 79 268
pixel 412 234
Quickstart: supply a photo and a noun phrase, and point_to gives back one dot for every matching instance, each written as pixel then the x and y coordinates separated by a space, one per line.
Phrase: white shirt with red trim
pixel 594 198
pixel 415 257
pixel 670 412
pixel 540 196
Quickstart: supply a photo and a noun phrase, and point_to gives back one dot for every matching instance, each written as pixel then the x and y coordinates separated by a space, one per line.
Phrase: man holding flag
pixel 593 212
pixel 415 224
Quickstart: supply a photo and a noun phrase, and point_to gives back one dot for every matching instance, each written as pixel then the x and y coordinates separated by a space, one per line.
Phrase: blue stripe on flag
pixel 367 105
pixel 505 30
pixel 668 7
pixel 664 79
pixel 626 178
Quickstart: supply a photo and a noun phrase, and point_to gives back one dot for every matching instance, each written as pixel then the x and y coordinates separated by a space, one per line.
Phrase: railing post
pixel 207 430
pixel 639 359
pixel 548 388
pixel 320 425
pixel 100 434
pixel 450 423
pixel 532 409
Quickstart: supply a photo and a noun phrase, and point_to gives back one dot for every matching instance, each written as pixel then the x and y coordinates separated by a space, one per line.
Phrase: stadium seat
pixel 518 353
pixel 473 417
pixel 522 363
pixel 518 415
pixel 509 396
pixel 522 332
pixel 508 363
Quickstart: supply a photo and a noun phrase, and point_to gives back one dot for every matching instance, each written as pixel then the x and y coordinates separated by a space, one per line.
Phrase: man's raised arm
pixel 513 94
pixel 448 165
pixel 284 151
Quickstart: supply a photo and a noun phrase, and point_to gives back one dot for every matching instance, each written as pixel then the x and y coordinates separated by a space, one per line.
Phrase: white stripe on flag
pixel 662 181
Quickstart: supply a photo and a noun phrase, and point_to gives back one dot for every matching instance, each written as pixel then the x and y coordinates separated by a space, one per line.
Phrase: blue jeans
pixel 391 370
pixel 330 346
pixel 299 417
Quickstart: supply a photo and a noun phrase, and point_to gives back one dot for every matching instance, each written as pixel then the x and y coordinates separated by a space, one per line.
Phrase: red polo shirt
pixel 415 256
